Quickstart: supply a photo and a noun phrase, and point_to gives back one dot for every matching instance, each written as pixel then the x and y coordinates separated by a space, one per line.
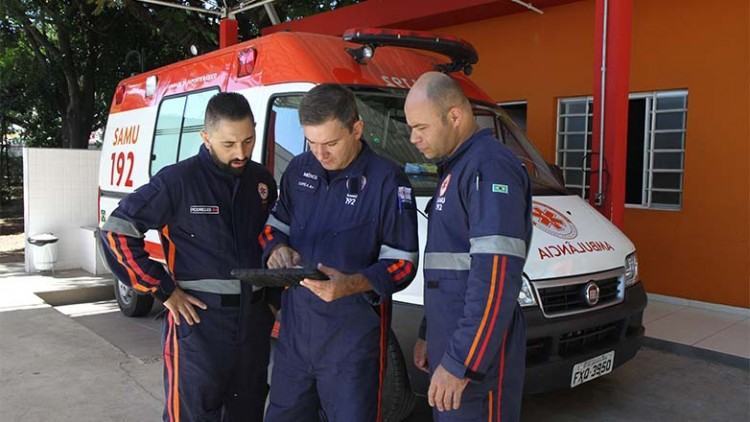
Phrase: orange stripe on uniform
pixel 487 308
pixel 491 408
pixel 493 319
pixel 404 272
pixel 268 233
pixel 133 264
pixel 176 392
pixel 131 275
pixel 172 250
pixel 265 236
pixel 168 364
pixel 396 266
pixel 500 378
pixel 383 351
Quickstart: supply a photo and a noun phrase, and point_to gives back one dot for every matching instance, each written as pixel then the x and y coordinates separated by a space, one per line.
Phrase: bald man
pixel 473 338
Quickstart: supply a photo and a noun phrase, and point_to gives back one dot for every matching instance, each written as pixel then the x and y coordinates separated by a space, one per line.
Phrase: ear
pixel 358 128
pixel 455 116
pixel 204 137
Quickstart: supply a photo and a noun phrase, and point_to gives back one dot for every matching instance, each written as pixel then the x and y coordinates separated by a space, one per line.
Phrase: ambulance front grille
pixel 589 339
pixel 564 297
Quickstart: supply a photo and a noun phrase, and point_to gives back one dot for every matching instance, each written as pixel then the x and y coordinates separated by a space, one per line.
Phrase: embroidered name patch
pixel 304 184
pixel 204 209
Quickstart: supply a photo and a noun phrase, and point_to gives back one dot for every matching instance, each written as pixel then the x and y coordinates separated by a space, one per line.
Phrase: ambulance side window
pixel 486 121
pixel 192 124
pixel 167 134
pixel 286 134
pixel 178 128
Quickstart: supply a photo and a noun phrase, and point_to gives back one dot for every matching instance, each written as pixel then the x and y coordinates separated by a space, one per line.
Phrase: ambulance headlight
pixel 631 270
pixel 526 295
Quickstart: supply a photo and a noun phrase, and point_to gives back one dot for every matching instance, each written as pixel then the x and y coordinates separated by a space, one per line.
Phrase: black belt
pixel 234 300
pixel 230 301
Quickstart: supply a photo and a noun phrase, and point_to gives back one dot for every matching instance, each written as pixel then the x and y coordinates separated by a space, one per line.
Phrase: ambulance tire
pixel 132 303
pixel 398 398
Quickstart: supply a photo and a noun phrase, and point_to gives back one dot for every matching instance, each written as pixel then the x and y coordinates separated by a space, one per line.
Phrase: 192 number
pixel 119 162
pixel 396 82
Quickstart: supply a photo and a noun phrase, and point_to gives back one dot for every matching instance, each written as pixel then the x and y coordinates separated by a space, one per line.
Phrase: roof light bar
pixel 462 54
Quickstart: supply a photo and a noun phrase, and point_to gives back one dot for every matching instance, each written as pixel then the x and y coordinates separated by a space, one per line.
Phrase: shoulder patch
pixel 263 191
pixel 499 188
pixel 404 195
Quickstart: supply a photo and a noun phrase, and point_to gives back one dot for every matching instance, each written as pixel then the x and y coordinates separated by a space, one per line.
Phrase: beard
pixel 227 167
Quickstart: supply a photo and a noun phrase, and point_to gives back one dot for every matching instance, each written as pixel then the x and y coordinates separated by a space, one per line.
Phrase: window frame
pixel 649 137
pixel 586 152
pixel 269 111
pixel 182 123
pixel 525 103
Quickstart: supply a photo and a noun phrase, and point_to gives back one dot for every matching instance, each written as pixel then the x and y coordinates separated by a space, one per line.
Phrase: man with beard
pixel 209 211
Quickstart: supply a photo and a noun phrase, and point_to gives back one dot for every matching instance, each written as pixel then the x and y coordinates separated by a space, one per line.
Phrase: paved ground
pixel 654 386
pixel 86 362
pixel 53 368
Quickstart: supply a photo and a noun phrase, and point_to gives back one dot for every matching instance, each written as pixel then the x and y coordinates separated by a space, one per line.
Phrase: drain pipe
pixel 599 198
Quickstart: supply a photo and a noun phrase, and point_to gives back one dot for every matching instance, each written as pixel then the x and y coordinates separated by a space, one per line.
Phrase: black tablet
pixel 276 278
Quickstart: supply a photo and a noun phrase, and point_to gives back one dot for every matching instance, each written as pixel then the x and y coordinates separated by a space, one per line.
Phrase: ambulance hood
pixel 571 238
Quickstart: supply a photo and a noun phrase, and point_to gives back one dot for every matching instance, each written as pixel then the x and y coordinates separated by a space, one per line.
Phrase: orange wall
pixel 703 251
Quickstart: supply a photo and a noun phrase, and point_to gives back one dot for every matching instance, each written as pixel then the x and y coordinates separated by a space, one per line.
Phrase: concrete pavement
pixel 81 360
pixel 54 368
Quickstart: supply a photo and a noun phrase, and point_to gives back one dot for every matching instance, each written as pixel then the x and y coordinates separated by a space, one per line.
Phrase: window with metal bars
pixel 656 147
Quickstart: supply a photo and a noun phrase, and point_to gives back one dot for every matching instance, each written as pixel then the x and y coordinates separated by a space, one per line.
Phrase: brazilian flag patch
pixel 499 188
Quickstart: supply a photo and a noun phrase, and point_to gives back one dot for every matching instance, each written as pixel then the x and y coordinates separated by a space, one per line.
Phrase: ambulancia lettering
pixel 568 248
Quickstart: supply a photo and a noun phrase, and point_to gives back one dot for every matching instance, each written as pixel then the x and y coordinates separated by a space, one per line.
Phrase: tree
pixel 60 60
pixel 67 60
pixel 64 41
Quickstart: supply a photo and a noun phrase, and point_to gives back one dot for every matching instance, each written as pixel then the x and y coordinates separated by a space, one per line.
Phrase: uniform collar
pixel 447 162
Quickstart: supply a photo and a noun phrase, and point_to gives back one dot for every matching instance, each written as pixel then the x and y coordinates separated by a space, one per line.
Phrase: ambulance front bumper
pixel 556 345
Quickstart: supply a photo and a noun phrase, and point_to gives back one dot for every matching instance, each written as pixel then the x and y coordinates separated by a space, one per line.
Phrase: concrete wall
pixel 700 252
pixel 60 196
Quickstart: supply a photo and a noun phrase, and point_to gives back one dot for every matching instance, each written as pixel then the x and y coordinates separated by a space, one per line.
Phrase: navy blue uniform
pixel 478 234
pixel 209 221
pixel 363 220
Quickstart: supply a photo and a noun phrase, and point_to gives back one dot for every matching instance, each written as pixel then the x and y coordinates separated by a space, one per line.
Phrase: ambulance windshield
pixel 388 134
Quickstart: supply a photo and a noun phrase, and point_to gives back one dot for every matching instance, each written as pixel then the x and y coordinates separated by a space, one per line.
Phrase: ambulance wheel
pixel 132 303
pixel 398 398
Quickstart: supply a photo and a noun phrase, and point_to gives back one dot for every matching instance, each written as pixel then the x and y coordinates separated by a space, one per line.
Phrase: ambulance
pixel 582 296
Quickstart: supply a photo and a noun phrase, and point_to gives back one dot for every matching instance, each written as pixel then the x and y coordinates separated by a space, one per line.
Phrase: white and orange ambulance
pixel 581 294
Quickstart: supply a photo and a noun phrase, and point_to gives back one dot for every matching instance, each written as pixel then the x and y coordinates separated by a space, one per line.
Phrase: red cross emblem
pixel 552 221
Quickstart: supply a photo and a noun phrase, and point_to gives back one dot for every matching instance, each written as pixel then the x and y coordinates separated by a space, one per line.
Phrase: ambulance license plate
pixel 592 368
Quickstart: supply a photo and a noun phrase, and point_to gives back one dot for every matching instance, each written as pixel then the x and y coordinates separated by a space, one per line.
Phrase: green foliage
pixel 60 60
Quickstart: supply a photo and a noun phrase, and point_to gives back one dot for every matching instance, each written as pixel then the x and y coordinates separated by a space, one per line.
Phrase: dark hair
pixel 326 102
pixel 227 105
